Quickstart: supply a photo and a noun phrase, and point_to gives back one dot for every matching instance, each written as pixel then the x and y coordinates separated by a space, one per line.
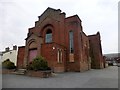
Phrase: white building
pixel 0 58
pixel 9 54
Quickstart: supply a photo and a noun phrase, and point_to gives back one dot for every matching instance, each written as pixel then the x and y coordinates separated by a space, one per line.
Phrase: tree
pixel 7 64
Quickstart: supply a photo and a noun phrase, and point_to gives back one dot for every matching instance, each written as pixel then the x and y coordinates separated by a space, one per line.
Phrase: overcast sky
pixel 16 16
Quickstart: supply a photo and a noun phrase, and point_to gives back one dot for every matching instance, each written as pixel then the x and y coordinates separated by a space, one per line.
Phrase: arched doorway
pixel 32 51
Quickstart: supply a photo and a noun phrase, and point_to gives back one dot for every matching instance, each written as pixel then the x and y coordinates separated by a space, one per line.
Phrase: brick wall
pixel 96 52
pixel 20 57
pixel 50 52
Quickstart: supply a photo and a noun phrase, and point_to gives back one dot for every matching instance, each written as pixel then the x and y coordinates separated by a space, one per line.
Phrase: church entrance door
pixel 32 54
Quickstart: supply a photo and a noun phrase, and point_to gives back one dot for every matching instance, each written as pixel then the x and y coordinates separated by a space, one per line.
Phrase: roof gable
pixel 52 13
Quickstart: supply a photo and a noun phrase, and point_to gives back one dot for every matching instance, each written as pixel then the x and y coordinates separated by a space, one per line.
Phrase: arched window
pixel 71 42
pixel 48 36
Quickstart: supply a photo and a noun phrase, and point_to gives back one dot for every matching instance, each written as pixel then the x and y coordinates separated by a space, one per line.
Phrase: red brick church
pixel 62 42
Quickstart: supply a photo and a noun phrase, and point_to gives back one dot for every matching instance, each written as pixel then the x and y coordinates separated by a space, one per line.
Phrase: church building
pixel 62 42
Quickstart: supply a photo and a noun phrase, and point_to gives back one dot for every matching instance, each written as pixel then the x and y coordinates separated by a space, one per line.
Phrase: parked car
pixel 118 64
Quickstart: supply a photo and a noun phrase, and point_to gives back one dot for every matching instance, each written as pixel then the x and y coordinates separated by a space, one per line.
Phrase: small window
pixel 48 36
pixel 59 56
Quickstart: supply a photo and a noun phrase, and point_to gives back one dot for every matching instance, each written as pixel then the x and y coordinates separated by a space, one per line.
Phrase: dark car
pixel 118 64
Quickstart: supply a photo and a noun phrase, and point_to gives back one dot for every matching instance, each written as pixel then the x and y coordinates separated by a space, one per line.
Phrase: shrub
pixel 38 63
pixel 8 64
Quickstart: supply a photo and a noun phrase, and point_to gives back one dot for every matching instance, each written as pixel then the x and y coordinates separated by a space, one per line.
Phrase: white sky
pixel 16 16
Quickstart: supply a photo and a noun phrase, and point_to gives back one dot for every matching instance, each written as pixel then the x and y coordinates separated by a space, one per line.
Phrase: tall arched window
pixel 59 56
pixel 48 36
pixel 71 42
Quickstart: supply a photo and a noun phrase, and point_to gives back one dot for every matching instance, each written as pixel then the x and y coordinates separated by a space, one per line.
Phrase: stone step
pixel 20 71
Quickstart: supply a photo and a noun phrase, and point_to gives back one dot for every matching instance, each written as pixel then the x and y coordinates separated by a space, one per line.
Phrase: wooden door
pixel 32 54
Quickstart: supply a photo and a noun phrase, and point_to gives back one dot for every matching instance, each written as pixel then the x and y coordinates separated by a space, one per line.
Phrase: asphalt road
pixel 103 78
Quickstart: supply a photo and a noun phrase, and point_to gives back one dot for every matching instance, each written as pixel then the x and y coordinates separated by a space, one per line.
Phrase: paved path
pixel 103 78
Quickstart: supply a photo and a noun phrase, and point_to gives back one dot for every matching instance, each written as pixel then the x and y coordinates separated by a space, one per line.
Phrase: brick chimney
pixel 7 49
pixel 15 47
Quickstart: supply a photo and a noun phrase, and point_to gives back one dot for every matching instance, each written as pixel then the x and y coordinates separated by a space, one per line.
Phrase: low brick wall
pixel 42 74
pixel 7 71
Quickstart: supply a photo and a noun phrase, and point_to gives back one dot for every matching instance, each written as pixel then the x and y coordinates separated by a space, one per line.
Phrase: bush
pixel 38 63
pixel 7 64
